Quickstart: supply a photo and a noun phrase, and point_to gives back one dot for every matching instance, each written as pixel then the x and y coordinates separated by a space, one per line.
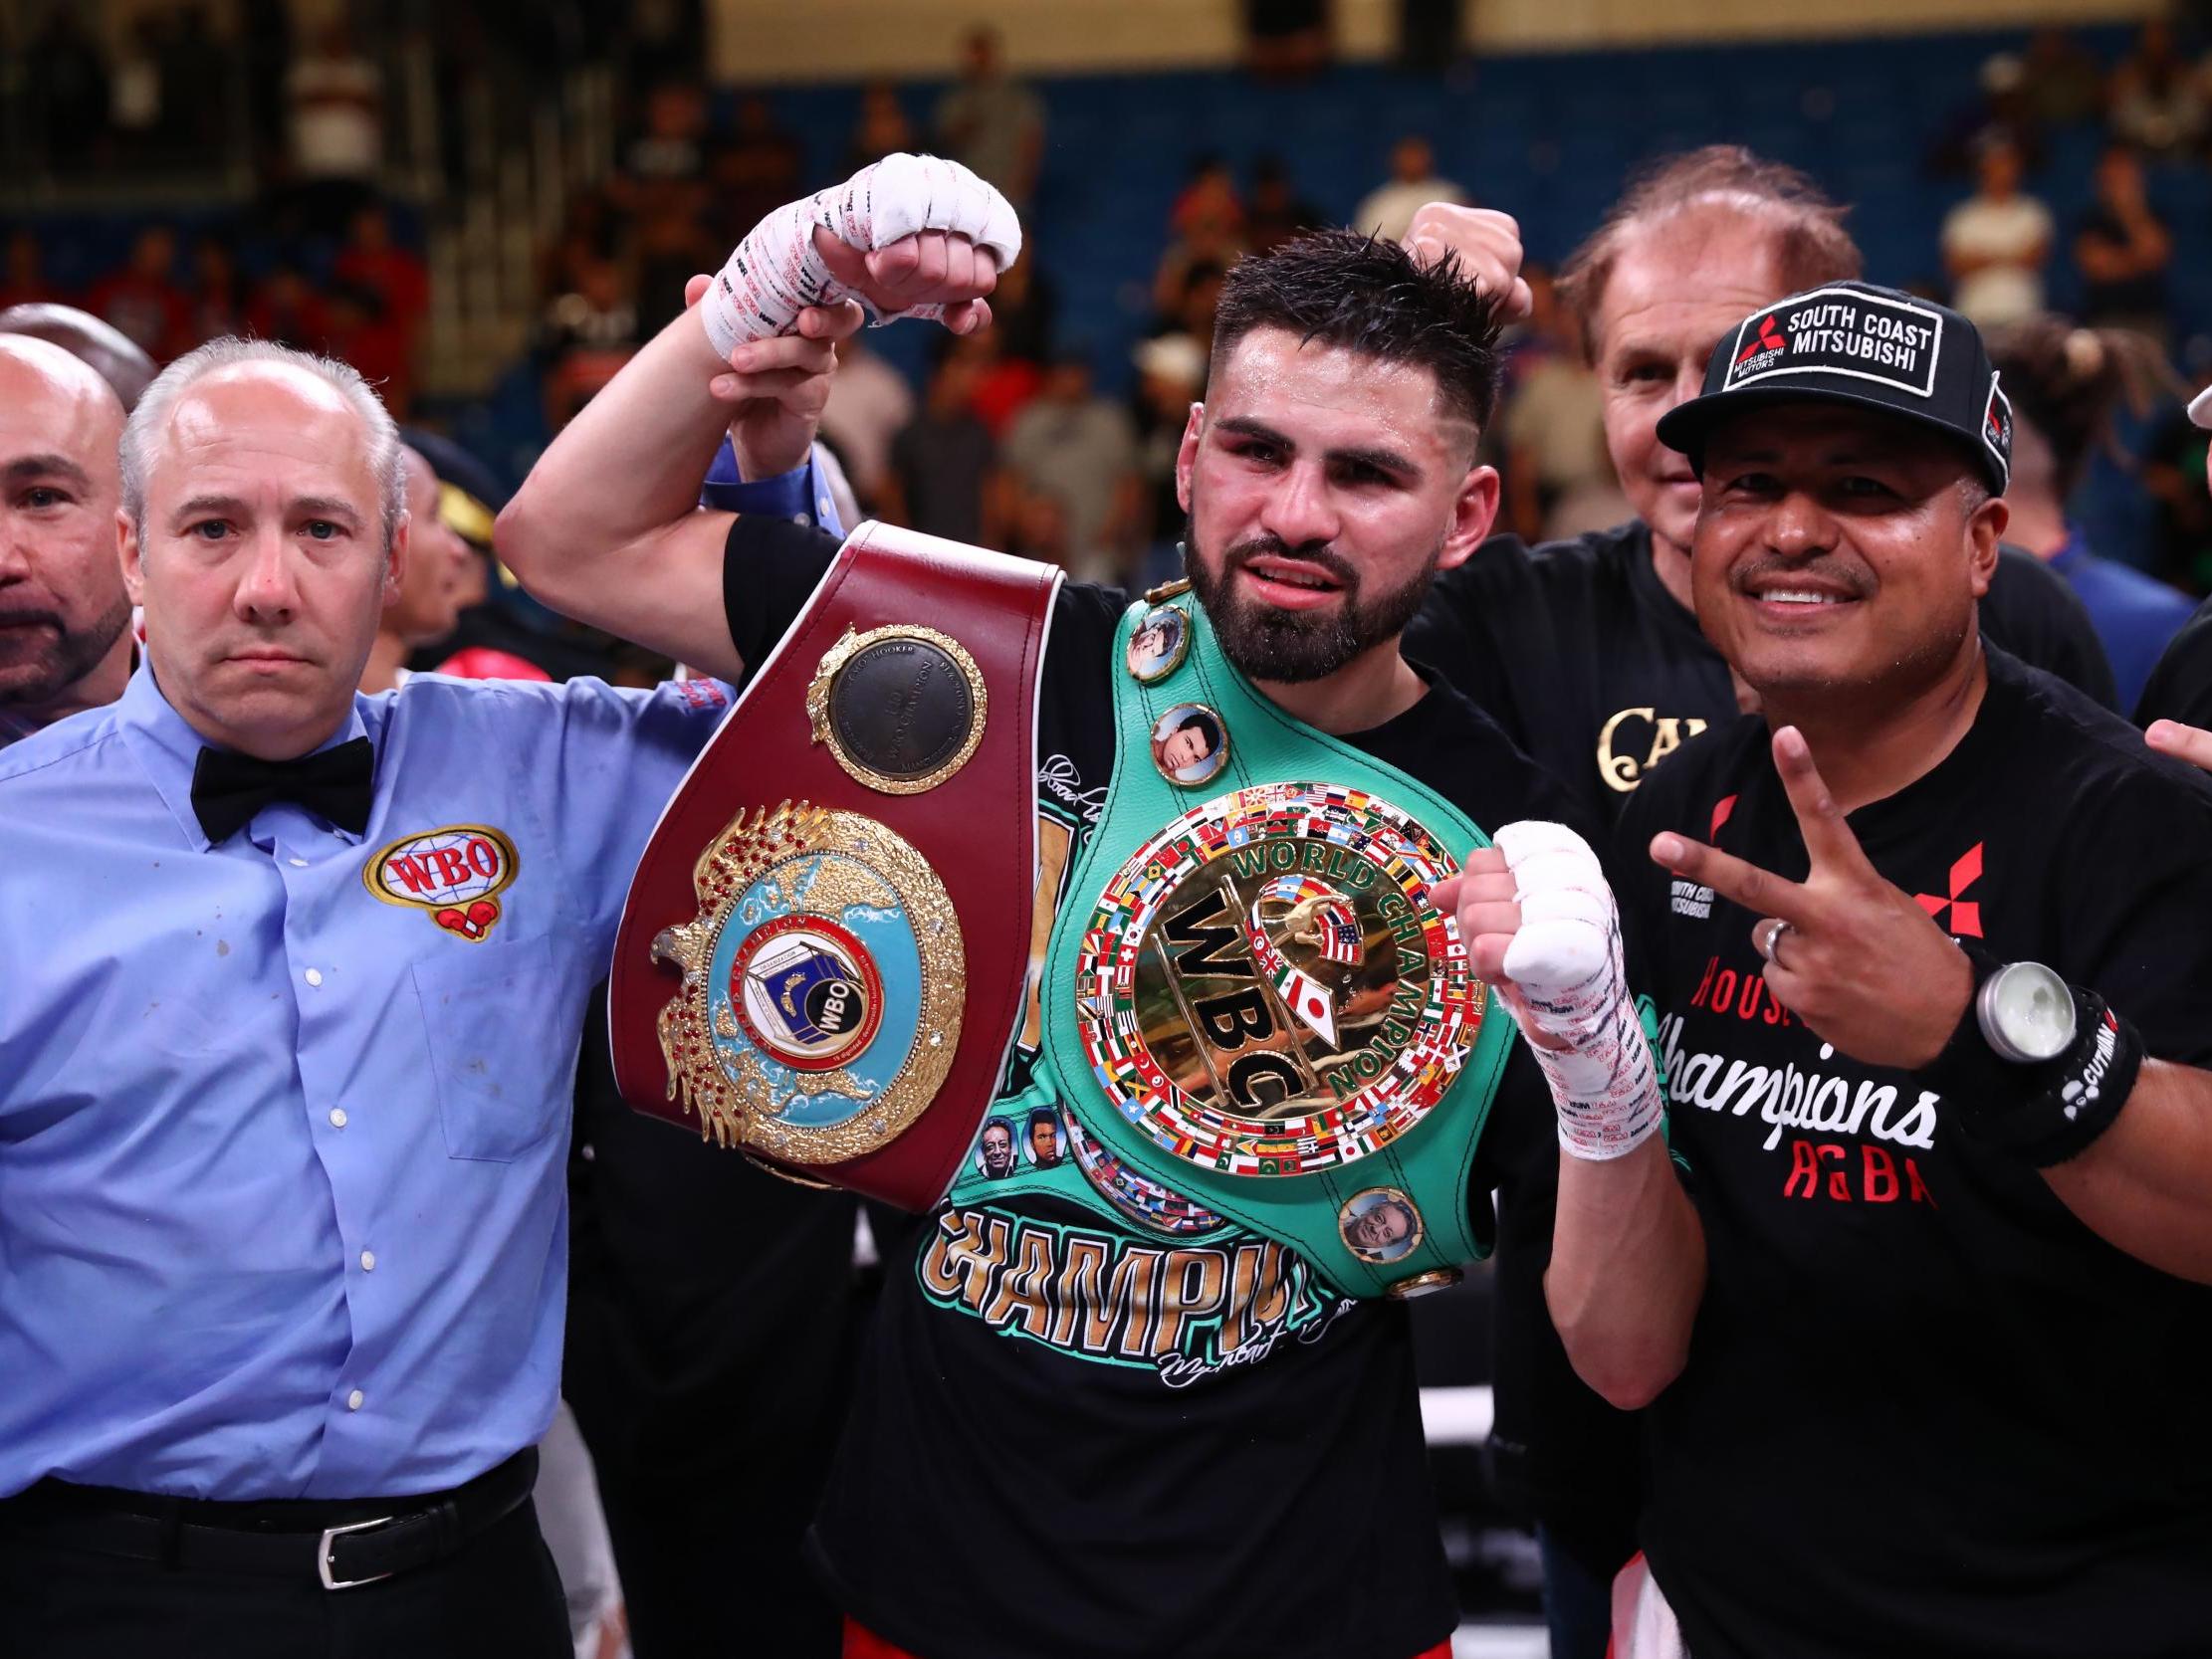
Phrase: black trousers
pixel 498 1598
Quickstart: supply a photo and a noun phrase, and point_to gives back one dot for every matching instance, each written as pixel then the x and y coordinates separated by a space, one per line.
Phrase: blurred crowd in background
pixel 335 137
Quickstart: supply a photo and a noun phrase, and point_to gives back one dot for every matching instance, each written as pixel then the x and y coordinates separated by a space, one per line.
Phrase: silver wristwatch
pixel 2026 1013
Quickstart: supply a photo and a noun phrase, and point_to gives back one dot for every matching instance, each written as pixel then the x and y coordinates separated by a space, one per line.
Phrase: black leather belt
pixel 340 1543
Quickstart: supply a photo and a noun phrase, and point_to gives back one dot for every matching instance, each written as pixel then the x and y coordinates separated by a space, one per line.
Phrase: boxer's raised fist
pixel 1488 244
pixel 906 236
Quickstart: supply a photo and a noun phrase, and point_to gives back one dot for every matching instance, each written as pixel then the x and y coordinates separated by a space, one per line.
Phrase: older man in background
pixel 65 619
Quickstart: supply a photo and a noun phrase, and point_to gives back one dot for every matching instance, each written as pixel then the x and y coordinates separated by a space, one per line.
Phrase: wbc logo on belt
pixel 455 873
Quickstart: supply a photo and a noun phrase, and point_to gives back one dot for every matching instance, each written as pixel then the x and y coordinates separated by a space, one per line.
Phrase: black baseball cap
pixel 1864 347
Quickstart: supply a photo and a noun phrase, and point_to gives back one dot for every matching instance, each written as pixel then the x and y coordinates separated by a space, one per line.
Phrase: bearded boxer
pixel 1919 1332
pixel 65 619
pixel 282 1124
pixel 1329 475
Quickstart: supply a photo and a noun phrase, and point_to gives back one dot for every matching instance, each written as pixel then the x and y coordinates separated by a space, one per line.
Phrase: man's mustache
pixel 1320 553
pixel 1842 572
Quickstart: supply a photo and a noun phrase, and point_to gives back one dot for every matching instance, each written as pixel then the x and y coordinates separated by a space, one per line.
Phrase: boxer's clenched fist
pixel 906 236
pixel 1488 244
pixel 1540 927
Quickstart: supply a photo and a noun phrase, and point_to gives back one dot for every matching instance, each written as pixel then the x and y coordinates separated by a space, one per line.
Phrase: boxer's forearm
pixel 2145 1184
pixel 1627 1270
pixel 627 468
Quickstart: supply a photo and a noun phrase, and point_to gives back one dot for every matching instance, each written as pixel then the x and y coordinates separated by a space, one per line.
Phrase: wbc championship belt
pixel 1254 1013
pixel 825 946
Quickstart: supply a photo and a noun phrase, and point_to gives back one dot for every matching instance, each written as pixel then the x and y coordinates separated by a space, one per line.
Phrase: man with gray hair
pixel 283 1117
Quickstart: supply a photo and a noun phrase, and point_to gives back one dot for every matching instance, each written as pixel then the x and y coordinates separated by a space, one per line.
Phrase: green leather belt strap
pixel 1428 1162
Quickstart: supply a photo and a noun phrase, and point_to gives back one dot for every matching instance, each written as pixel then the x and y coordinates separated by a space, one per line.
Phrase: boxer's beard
pixel 47 669
pixel 1293 647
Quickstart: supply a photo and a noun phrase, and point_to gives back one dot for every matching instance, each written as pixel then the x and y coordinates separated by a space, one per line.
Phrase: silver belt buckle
pixel 323 1555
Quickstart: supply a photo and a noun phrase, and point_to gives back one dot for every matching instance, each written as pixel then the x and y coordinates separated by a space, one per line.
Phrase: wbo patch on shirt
pixel 455 873
pixel 1840 330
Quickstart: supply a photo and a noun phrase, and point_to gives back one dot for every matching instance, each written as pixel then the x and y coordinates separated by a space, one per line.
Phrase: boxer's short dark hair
pixel 1369 296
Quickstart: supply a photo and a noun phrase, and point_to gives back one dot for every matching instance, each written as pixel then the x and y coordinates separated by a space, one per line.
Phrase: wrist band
pixel 2049 1111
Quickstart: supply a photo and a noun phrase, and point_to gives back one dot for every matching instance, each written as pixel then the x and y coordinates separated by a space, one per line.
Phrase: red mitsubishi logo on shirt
pixel 1966 913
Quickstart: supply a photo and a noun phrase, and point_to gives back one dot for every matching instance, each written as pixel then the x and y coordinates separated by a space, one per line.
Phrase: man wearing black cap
pixel 1922 1329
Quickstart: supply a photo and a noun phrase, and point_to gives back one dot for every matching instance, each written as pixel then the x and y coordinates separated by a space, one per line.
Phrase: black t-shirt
pixel 1579 651
pixel 2181 687
pixel 1926 1410
pixel 1245 1482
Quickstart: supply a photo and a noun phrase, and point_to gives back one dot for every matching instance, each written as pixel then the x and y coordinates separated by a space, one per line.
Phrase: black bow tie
pixel 229 788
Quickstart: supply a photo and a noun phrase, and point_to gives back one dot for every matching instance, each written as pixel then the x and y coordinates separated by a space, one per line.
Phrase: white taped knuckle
pixel 1553 956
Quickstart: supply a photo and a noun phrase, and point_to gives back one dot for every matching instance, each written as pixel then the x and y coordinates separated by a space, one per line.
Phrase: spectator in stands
pixel 1997 242
pixel 2158 96
pixel 869 405
pixel 134 91
pixel 1170 376
pixel 23 282
pixel 1022 310
pixel 589 332
pixel 2065 383
pixel 1004 383
pixel 2173 472
pixel 64 620
pixel 2061 79
pixel 1202 301
pixel 337 100
pixel 663 188
pixel 1554 428
pixel 218 300
pixel 1389 209
pixel 1286 40
pixel 1206 225
pixel 881 128
pixel 144 299
pixel 1277 212
pixel 423 602
pixel 2124 250
pixel 752 172
pixel 943 477
pixel 992 121
pixel 194 66
pixel 2000 108
pixel 1081 450
pixel 286 308
pixel 363 334
pixel 396 276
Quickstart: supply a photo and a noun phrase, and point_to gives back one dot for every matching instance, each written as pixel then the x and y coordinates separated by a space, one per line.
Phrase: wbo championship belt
pixel 825 946
pixel 1252 1012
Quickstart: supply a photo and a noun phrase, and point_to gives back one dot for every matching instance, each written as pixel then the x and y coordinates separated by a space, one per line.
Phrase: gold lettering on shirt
pixel 1623 738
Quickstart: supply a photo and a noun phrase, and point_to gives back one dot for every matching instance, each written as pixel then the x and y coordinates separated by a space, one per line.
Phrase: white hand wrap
pixel 775 272
pixel 1566 964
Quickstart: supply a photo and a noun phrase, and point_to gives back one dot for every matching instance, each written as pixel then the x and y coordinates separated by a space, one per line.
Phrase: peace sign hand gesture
pixel 1849 954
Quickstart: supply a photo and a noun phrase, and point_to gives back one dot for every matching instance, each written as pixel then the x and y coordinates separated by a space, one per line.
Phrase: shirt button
pixel 353 1400
pixel 315 976
pixel 296 863
pixel 799 519
pixel 338 1117
pixel 368 1261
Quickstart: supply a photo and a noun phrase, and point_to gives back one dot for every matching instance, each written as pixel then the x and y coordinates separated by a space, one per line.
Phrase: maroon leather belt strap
pixel 826 944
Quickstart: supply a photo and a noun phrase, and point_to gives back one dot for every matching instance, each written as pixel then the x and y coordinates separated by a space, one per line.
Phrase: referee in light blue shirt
pixel 287 1041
